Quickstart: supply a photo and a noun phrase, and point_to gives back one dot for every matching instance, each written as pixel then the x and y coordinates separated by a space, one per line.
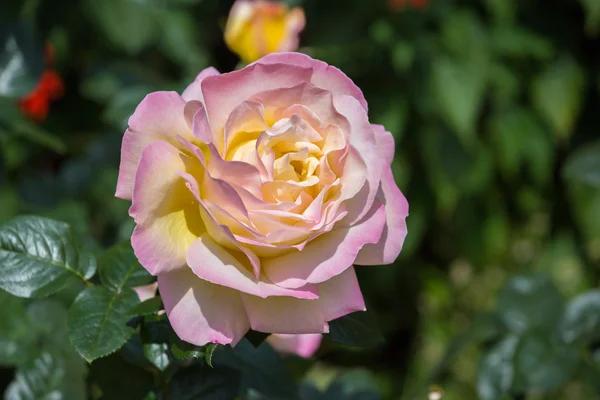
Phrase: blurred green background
pixel 495 108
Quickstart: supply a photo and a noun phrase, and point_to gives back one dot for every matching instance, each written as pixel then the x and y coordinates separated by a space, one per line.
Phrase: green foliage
pixel 21 62
pixel 584 165
pixel 557 95
pixel 356 329
pixel 97 321
pixel 120 269
pixel 39 257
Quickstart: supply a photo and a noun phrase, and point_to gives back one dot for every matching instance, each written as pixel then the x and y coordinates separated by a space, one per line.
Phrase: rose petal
pixel 324 76
pixel 166 213
pixel 362 138
pixel 159 116
pixel 215 264
pixel 341 295
pixel 146 292
pixel 194 90
pixel 284 314
pixel 328 255
pixel 396 209
pixel 201 312
pixel 224 92
pixel 304 346
pixel 385 143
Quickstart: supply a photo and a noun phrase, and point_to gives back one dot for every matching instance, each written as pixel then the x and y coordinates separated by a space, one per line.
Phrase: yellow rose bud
pixel 256 28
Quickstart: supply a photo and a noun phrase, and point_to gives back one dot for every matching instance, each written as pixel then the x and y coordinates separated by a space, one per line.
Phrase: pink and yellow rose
pixel 254 192
pixel 256 28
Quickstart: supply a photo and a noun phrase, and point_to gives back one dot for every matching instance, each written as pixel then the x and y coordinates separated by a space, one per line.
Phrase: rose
pixel 254 192
pixel 256 28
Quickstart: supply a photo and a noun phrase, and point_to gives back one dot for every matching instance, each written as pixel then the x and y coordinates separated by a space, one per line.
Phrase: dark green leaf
pixel 558 95
pixel 210 350
pixel 115 379
pixel 262 369
pixel 256 338
pixel 158 355
pixel 530 302
pixel 459 88
pixel 46 378
pixel 584 165
pixel 183 350
pixel 21 60
pixel 119 268
pixel 150 306
pixel 38 257
pixel 497 371
pixel 131 25
pixel 543 364
pixel 357 329
pixel 203 383
pixel 581 320
pixel 97 321
pixel 17 338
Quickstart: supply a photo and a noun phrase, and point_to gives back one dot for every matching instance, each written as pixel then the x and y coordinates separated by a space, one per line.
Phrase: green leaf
pixel 543 364
pixel 119 268
pixel 150 306
pixel 530 302
pixel 158 355
pixel 581 320
pixel 202 383
pixel 357 329
pixel 497 372
pixel 97 321
pixel 210 350
pixel 584 165
pixel 256 338
pixel 183 350
pixel 262 369
pixel 459 88
pixel 557 94
pixel 512 41
pixel 113 378
pixel 17 332
pixel 38 257
pixel 520 139
pixel 46 378
pixel 128 24
pixel 21 60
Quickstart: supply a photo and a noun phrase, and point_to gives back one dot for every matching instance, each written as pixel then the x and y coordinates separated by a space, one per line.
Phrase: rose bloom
pixel 254 193
pixel 257 28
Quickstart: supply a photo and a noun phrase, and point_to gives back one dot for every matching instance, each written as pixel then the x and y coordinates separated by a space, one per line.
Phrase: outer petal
pixel 224 92
pixel 284 314
pixel 385 143
pixel 362 138
pixel 328 255
pixel 301 345
pixel 158 117
pixel 215 264
pixel 341 295
pixel 396 209
pixel 201 312
pixel 166 213
pixel 194 91
pixel 324 76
